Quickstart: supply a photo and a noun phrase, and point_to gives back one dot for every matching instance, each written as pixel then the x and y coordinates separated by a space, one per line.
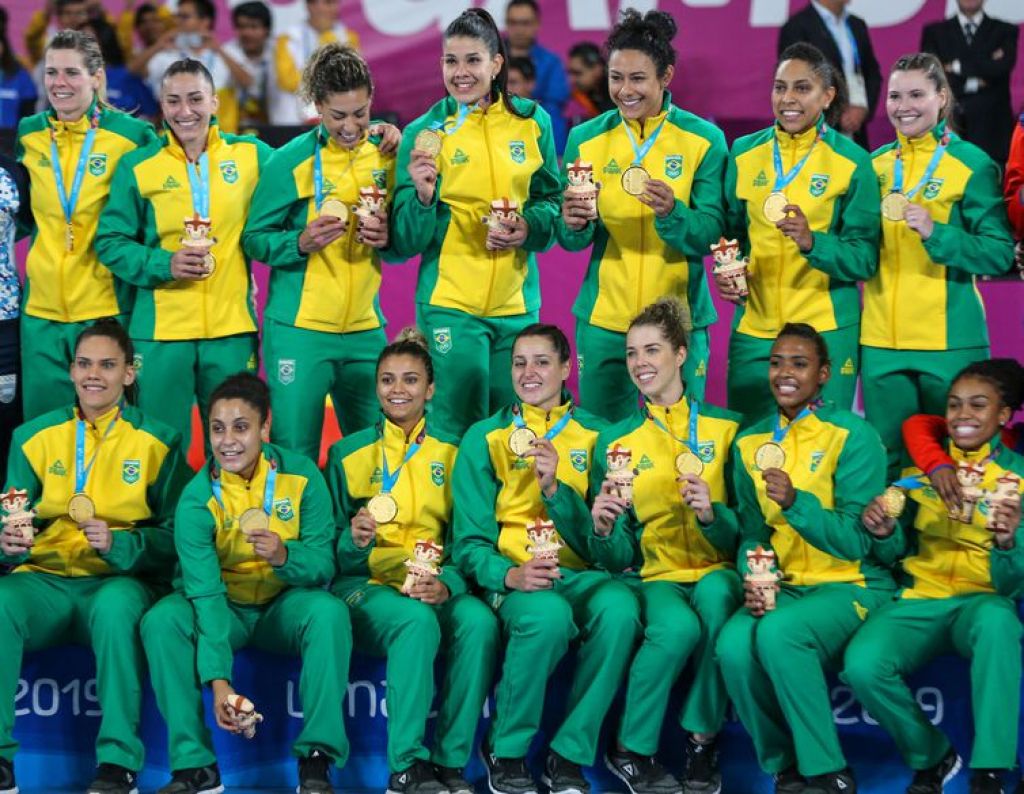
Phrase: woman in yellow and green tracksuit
pixel 89 579
pixel 323 328
pixel 254 534
pixel 943 224
pixel 803 201
pixel 478 286
pixel 649 245
pixel 408 618
pixel 961 576
pixel 802 476
pixel 193 323
pixel 515 471
pixel 70 152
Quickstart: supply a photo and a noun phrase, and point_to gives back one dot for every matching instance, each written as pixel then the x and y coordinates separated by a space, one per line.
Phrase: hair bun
pixel 412 335
pixel 662 24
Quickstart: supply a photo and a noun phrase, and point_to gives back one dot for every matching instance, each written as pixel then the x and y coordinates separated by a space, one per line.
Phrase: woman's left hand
pixel 659 197
pixel 429 590
pixel 919 219
pixel 508 237
pixel 796 228
pixel 373 231
pixel 697 495
pixel 390 137
pixel 545 464
pixel 779 488
pixel 98 534
pixel 269 546
pixel 1005 520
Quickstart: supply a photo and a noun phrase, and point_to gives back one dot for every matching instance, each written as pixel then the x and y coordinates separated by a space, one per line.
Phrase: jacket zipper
pixel 351 245
pixel 494 194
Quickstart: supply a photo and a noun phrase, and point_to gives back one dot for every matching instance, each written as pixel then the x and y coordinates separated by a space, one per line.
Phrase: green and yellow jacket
pixel 218 566
pixel 423 493
pixel 496 493
pixel 836 463
pixel 638 257
pixel 138 474
pixel 659 537
pixel 838 192
pixel 141 230
pixel 493 155
pixel 924 296
pixel 72 286
pixel 948 558
pixel 334 289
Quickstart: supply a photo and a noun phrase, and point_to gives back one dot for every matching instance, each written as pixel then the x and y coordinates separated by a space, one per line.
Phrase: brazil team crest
pixel 706 451
pixel 442 340
pixel 229 170
pixel 437 472
pixel 285 371
pixel 673 166
pixel 137 363
pixel 931 190
pixel 283 509
pixel 97 164
pixel 819 184
pixel 380 177
pixel 130 470
pixel 517 149
pixel 578 458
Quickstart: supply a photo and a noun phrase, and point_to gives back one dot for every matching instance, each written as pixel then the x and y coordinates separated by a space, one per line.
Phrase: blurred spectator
pixel 522 77
pixel 125 90
pixel 291 52
pixel 588 76
pixel 843 37
pixel 67 15
pixel 251 48
pixel 522 21
pixel 978 54
pixel 148 23
pixel 18 93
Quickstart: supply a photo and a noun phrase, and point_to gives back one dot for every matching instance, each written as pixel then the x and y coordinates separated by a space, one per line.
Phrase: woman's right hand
pixel 577 212
pixel 364 528
pixel 423 172
pixel 222 690
pixel 876 520
pixel 12 544
pixel 728 291
pixel 533 575
pixel 607 508
pixel 188 265
pixel 753 599
pixel 320 233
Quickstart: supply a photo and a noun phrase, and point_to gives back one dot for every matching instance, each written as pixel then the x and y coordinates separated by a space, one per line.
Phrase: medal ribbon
pixel 68 203
pixel 390 479
pixel 908 483
pixel 268 489
pixel 779 433
pixel 199 182
pixel 81 469
pixel 554 430
pixel 782 177
pixel 897 169
pixel 318 174
pixel 691 440
pixel 640 150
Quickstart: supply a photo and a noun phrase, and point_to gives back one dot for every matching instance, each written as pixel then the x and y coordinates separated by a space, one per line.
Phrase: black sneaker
pixel 452 779
pixel 789 781
pixel 113 779
pixel 315 774
pixel 7 784
pixel 197 780
pixel 931 780
pixel 507 775
pixel 987 781
pixel 833 783
pixel 702 773
pixel 562 776
pixel 641 774
pixel 417 779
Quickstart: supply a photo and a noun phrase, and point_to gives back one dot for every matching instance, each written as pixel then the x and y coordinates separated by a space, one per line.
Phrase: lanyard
pixel 199 182
pixel 81 468
pixel 388 478
pixel 554 430
pixel 897 170
pixel 691 440
pixel 783 178
pixel 779 433
pixel 268 489
pixel 460 119
pixel 641 150
pixel 318 173
pixel 908 483
pixel 68 203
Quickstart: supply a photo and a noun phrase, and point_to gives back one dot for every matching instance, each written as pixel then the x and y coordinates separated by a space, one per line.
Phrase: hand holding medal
pixel 268 546
pixel 779 487
pixel 794 225
pixel 920 220
pixel 878 518
pixel 363 527
pixel 545 464
pixel 696 494
pixel 659 197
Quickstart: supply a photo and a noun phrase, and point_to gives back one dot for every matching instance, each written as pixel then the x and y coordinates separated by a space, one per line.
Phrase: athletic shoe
pixel 315 774
pixel 987 781
pixel 562 776
pixel 197 780
pixel 507 775
pixel 452 779
pixel 641 774
pixel 113 779
pixel 789 781
pixel 417 779
pixel 702 773
pixel 7 784
pixel 833 783
pixel 931 780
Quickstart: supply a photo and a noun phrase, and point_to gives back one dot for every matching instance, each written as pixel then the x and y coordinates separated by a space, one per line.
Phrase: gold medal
pixel 894 500
pixel 775 206
pixel 209 262
pixel 383 508
pixel 635 179
pixel 520 440
pixel 81 508
pixel 254 520
pixel 893 206
pixel 770 456
pixel 688 463
pixel 335 209
pixel 428 141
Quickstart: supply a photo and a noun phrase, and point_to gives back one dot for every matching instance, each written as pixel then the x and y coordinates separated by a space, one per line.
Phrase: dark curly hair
pixel 651 34
pixel 1005 374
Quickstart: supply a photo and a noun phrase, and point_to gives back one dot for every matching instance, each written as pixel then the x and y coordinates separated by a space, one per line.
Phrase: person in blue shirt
pixel 125 90
pixel 18 93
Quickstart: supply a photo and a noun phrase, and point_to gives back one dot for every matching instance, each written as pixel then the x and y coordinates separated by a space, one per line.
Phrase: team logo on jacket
pixel 578 458
pixel 137 363
pixel 706 451
pixel 460 157
pixel 380 177
pixel 673 166
pixel 437 472
pixel 377 476
pixel 44 161
pixel 58 469
pixel 761 180
pixel 816 459
pixel 285 371
pixel 819 184
pixel 442 340
pixel 130 470
pixel 283 509
pixel 612 167
pixel 579 363
pixel 97 164
pixel 931 190
pixel 645 463
pixel 517 149
pixel 229 170
pixel 171 183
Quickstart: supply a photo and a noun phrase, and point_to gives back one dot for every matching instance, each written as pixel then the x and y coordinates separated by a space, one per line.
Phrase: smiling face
pixel 69 86
pixel 795 373
pixel 974 412
pixel 537 373
pixel 468 68
pixel 799 96
pixel 634 84
pixel 188 103
pixel 912 103
pixel 237 435
pixel 654 365
pixel 403 389
pixel 346 116
pixel 100 373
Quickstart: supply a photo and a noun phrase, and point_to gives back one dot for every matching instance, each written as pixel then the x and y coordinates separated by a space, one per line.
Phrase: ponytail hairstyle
pixel 110 328
pixel 409 342
pixel 824 70
pixel 477 23
pixel 84 44
pixel 651 34
pixel 1005 374
pixel 932 68
pixel 334 69
pixel 189 66
pixel 808 332
pixel 669 316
